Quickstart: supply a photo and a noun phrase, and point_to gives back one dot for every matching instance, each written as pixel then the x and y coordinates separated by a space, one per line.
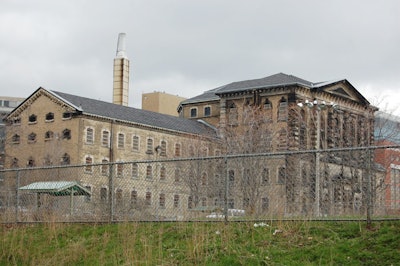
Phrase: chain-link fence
pixel 355 183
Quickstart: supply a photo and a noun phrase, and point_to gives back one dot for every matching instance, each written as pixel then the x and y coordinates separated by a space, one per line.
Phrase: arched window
pixel 163 148
pixel 149 146
pixel 149 172
pixel 283 109
pixel 135 143
pixel 89 135
pixel 135 170
pixel 88 162
pixel 163 173
pixel 134 197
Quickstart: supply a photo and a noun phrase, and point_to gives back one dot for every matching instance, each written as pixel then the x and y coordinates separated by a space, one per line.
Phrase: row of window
pixel 192 202
pixel 136 146
pixel 47 161
pixel 206 111
pixel 49 135
pixel 49 117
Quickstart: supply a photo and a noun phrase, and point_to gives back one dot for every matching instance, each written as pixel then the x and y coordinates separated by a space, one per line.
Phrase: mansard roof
pixel 273 81
pixel 139 117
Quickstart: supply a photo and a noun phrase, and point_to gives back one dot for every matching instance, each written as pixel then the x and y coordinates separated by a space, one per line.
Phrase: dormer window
pixel 50 117
pixel 193 112
pixel 207 111
pixel 32 119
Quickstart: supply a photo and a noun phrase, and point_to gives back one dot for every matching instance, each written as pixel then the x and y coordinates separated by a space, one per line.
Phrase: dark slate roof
pixel 276 80
pixel 137 116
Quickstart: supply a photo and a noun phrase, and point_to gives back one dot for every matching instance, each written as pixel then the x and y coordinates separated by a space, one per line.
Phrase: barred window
pixel 281 175
pixel 103 194
pixel 89 135
pixel 163 173
pixel 176 201
pixel 177 149
pixel 162 200
pixel 134 197
pixel 149 172
pixel 120 170
pixel 121 140
pixel 135 143
pixel 88 162
pixel 265 176
pixel 148 198
pixel 177 175
pixel 119 197
pixel 105 138
pixel 149 146
pixel 207 111
pixel 163 148
pixel 104 167
pixel 135 170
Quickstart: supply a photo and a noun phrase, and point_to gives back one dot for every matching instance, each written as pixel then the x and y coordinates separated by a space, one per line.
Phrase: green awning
pixel 57 188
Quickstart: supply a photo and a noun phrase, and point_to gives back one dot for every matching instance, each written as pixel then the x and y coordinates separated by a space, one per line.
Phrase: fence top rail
pixel 221 157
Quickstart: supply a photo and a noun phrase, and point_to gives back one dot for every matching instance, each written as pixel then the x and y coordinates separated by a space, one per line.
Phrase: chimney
pixel 121 73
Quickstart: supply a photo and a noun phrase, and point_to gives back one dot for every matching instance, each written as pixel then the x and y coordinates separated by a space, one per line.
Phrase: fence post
pixel 226 189
pixel 369 189
pixel 17 196
pixel 111 192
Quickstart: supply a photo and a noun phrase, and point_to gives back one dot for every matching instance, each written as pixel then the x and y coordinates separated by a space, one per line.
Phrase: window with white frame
pixel 105 138
pixel 89 166
pixel 135 170
pixel 120 170
pixel 163 148
pixel 207 111
pixel 176 201
pixel 193 112
pixel 89 135
pixel 121 140
pixel 104 167
pixel 149 146
pixel 177 150
pixel 135 143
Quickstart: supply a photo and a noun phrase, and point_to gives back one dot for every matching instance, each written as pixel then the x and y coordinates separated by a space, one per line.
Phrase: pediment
pixel 41 92
pixel 343 89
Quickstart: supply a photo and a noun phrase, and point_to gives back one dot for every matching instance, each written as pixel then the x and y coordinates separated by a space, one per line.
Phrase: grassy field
pixel 276 243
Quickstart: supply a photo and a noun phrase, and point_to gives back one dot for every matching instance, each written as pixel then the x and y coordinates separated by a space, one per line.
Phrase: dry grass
pixel 280 243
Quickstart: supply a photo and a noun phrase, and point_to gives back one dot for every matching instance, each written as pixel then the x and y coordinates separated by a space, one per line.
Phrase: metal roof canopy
pixel 57 188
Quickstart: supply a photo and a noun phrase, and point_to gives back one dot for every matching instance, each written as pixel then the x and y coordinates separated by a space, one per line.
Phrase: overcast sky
pixel 189 46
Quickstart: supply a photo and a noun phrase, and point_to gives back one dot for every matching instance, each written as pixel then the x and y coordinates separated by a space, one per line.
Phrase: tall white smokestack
pixel 121 73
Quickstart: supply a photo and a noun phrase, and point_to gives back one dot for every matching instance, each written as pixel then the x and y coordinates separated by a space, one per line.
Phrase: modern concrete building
pixel 161 102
